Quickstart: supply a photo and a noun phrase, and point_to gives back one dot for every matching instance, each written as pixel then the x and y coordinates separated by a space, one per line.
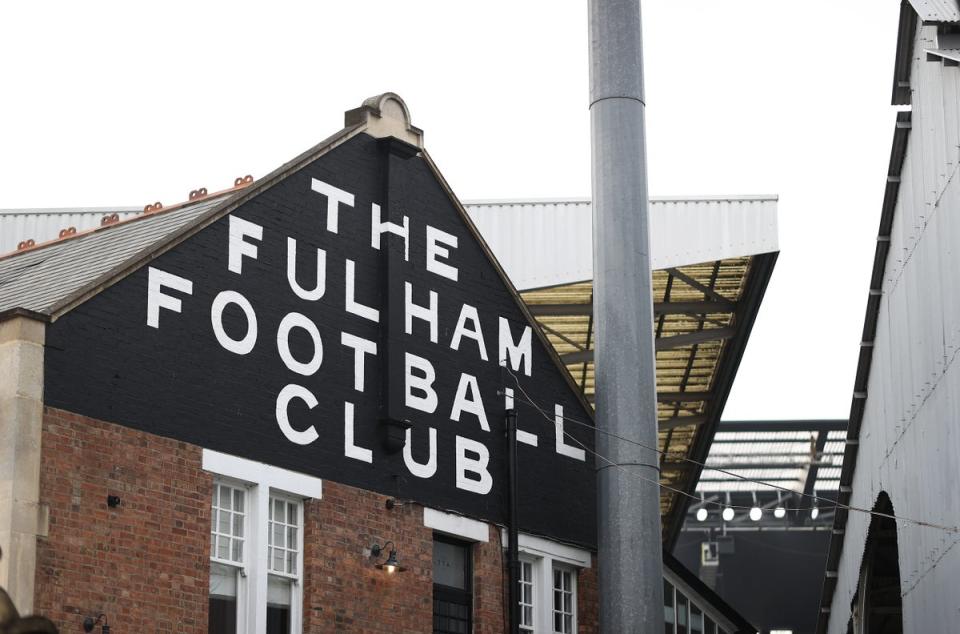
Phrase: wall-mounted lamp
pixel 391 565
pixel 90 622
pixel 113 501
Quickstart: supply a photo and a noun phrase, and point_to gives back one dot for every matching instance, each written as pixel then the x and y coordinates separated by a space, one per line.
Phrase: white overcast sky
pixel 113 104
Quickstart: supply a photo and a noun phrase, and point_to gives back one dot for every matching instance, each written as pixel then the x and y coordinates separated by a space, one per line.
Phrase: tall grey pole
pixel 630 562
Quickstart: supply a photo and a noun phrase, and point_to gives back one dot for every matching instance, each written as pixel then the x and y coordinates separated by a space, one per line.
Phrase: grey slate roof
pixel 42 279
pixel 51 278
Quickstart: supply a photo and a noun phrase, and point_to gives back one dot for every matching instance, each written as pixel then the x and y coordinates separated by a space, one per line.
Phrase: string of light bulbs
pixel 829 504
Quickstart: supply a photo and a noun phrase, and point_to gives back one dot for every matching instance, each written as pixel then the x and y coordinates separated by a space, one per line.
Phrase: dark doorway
pixel 452 586
pixel 877 607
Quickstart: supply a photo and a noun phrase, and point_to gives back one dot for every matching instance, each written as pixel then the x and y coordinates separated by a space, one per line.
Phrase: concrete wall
pixel 910 438
pixel 21 406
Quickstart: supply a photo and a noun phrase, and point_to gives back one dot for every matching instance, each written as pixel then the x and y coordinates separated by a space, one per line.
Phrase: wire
pixel 827 506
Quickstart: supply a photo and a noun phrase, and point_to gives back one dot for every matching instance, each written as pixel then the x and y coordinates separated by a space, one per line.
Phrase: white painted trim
pixel 262 474
pixel 549 549
pixel 456 525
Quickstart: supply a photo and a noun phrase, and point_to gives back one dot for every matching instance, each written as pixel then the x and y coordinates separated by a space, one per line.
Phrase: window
pixel 283 550
pixel 256 546
pixel 526 597
pixel 548 584
pixel 564 604
pixel 452 586
pixel 696 619
pixel 226 554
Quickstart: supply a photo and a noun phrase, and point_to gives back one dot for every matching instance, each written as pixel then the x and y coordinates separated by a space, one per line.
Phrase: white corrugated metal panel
pixel 549 242
pixel 951 54
pixel 909 439
pixel 937 10
pixel 45 224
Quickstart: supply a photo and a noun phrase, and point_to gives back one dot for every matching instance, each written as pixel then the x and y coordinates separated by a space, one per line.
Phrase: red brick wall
pixel 145 564
pixel 588 601
pixel 344 591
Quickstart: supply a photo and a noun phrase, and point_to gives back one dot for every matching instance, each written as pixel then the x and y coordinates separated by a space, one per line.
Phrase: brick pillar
pixel 21 416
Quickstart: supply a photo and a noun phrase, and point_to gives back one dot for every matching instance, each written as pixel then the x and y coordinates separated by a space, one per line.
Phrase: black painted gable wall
pixel 104 361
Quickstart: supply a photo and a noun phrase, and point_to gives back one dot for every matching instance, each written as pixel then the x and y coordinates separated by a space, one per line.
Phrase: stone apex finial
pixel 386 115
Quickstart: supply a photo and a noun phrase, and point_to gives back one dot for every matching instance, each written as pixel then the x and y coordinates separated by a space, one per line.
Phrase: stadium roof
pixel 713 257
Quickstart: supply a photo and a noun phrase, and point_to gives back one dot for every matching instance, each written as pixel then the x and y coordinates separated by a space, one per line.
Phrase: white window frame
pixel 534 563
pixel 546 555
pixel 573 594
pixel 262 482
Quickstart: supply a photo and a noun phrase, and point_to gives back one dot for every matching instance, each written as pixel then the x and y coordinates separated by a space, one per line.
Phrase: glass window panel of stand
pixel 669 612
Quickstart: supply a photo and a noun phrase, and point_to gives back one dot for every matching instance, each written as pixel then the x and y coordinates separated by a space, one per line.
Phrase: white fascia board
pixel 549 549
pixel 262 474
pixel 456 525
pixel 549 243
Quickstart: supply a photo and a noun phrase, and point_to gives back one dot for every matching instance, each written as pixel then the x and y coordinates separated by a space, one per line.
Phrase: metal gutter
pixel 897 154
pixel 903 62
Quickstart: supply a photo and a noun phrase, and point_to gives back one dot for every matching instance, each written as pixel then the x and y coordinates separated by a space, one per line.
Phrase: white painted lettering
pixel 299 291
pixel 474 332
pixel 352 305
pixel 412 311
pixel 286 395
pixel 378 228
pixel 288 323
pixel 238 247
pixel 156 299
pixel 361 348
pixel 562 447
pixel 220 302
pixel 428 402
pixel 476 465
pixel 515 353
pixel 421 470
pixel 350 448
pixel 335 197
pixel 435 238
pixel 468 399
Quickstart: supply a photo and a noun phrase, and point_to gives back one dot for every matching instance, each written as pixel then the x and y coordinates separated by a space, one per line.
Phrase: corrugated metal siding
pixel 937 10
pixel 45 224
pixel 547 243
pixel 910 431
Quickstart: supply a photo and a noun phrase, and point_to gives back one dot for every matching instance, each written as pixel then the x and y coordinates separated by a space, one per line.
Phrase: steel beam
pixel 681 421
pixel 662 343
pixel 683 397
pixel 659 308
